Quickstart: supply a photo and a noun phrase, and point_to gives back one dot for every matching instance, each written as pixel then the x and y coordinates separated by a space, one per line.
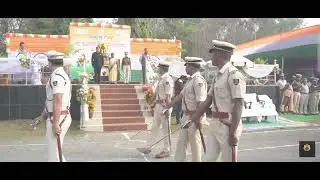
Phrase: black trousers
pixel 97 75
pixel 144 74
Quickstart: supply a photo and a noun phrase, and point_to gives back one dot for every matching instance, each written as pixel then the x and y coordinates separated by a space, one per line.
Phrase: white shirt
pixel 229 84
pixel 165 87
pixel 194 91
pixel 281 83
pixel 304 89
pixel 59 82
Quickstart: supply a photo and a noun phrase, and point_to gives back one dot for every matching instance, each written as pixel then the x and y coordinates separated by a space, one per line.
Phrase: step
pixel 121 113
pixel 120 101
pixel 124 127
pixel 117 95
pixel 118 83
pixel 109 107
pixel 117 86
pixel 117 90
pixel 123 120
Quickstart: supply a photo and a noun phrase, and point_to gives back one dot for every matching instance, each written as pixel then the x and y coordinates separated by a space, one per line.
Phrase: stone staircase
pixel 120 108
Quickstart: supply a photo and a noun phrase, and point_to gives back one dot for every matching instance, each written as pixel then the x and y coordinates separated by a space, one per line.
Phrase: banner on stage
pixel 86 39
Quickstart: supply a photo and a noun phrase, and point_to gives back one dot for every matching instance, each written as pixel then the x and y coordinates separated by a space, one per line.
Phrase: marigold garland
pixel 91 99
pixel 150 98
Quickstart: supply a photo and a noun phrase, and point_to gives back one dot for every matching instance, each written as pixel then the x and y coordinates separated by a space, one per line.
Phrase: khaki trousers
pixel 186 136
pixel 126 73
pixel 218 145
pixel 53 153
pixel 296 101
pixel 303 104
pixel 314 102
pixel 160 122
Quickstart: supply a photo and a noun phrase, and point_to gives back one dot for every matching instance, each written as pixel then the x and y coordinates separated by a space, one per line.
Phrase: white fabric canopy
pixel 241 61
pixel 237 61
pixel 259 70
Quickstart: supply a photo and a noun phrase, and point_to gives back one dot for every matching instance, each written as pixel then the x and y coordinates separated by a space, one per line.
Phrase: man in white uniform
pixel 164 93
pixel 226 96
pixel 58 90
pixel 192 95
pixel 36 72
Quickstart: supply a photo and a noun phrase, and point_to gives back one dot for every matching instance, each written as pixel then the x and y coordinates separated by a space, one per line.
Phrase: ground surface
pixel 18 142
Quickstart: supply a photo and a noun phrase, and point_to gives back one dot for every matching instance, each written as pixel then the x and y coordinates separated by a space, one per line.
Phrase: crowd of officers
pixel 300 95
pixel 225 97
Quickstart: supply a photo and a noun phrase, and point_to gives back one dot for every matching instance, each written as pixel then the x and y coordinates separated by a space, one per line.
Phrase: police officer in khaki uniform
pixel 164 93
pixel 126 68
pixel 226 96
pixel 314 98
pixel 58 91
pixel 296 85
pixel 304 97
pixel 193 94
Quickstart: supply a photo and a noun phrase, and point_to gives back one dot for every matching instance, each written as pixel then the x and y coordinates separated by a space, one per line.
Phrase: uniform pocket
pixel 221 92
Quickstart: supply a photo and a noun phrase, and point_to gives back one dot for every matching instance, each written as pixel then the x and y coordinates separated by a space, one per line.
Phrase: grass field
pixel 302 118
pixel 20 130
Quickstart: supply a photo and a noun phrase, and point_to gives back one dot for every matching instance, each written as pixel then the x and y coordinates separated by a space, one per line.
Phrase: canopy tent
pixel 297 47
pixel 241 61
pixel 260 70
pixel 236 60
pixel 251 69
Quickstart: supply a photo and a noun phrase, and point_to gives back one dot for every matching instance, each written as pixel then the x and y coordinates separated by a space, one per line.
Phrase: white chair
pixel 251 107
pixel 268 109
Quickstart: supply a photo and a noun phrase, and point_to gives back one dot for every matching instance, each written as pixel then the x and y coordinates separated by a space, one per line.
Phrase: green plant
pixel 3 54
pixel 68 50
pixel 259 61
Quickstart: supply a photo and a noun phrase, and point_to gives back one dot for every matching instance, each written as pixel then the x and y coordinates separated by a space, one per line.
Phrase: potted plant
pixel 91 101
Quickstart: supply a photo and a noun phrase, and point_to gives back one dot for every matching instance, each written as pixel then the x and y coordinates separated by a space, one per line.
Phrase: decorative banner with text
pixel 86 36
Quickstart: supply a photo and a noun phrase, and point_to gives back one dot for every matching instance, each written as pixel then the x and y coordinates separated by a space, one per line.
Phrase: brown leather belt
pixel 221 116
pixel 66 112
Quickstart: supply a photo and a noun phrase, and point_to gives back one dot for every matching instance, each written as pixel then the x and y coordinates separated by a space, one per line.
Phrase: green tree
pixel 163 28
pixel 36 26
pixel 50 25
